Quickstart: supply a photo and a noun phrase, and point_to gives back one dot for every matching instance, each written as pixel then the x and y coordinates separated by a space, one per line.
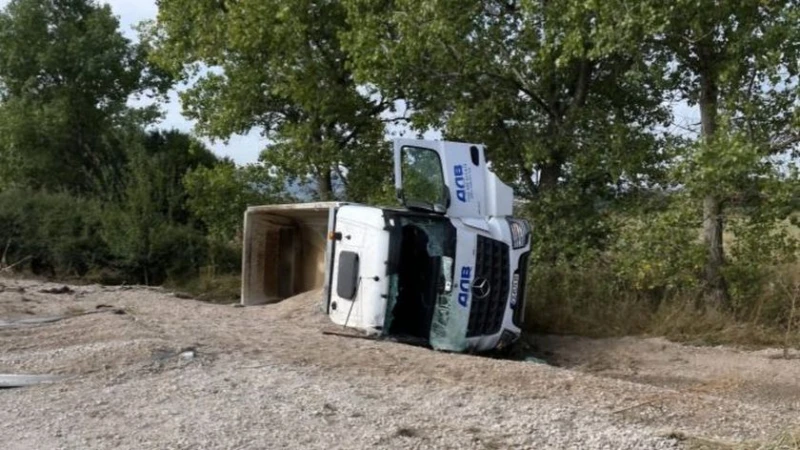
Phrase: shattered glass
pixel 449 323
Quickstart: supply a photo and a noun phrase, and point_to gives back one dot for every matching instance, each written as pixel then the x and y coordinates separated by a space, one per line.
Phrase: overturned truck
pixel 448 270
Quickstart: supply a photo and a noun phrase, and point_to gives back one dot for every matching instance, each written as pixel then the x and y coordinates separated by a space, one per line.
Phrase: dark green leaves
pixel 277 67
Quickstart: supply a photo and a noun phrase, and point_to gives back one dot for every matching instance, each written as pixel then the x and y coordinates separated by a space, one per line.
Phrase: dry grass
pixel 210 286
pixel 789 440
pixel 588 303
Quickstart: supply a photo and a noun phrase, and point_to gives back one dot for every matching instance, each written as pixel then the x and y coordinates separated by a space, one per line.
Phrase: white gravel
pixel 177 374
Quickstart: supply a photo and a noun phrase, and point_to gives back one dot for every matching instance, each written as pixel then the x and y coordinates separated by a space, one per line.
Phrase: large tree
pixel 738 64
pixel 522 76
pixel 278 67
pixel 66 74
pixel 565 120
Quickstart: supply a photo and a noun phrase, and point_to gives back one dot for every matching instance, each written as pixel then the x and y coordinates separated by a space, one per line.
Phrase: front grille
pixel 491 264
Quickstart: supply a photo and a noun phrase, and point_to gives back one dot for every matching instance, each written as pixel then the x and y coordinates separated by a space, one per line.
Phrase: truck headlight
pixel 520 232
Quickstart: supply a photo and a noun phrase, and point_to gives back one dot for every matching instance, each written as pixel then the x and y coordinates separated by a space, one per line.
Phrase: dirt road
pixel 148 370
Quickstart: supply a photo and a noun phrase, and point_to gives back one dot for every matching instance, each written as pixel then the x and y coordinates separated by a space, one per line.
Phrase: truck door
pixel 443 177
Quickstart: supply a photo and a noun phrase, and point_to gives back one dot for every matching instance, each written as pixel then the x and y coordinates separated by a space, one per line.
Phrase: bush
pixel 176 252
pixel 58 235
pixel 648 279
pixel 55 234
pixel 148 249
pixel 658 251
pixel 224 257
pixel 591 300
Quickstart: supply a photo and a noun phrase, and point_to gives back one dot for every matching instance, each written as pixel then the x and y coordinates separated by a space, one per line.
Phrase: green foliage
pixel 369 177
pixel 218 196
pixel 65 78
pixel 519 76
pixel 147 250
pixel 583 299
pixel 658 250
pixel 84 188
pixel 573 128
pixel 146 235
pixel 52 234
pixel 739 63
pixel 569 227
pixel 279 67
pixel 166 158
pixel 149 231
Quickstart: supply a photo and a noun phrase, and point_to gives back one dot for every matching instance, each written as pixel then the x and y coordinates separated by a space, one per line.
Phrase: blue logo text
pixel 463 285
pixel 461 183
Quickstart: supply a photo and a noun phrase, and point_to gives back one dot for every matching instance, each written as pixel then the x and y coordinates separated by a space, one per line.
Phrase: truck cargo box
pixel 285 250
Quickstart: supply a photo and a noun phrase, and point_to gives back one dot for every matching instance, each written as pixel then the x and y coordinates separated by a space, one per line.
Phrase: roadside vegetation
pixel 653 146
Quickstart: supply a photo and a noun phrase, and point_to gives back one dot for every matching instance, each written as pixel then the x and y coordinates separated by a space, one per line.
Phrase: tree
pixel 219 195
pixel 168 157
pixel 279 67
pixel 568 122
pixel 66 74
pixel 737 62
pixel 150 229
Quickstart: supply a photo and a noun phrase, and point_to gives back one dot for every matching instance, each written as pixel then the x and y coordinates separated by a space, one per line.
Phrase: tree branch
pixel 581 88
pixel 779 146
pixel 526 172
pixel 520 81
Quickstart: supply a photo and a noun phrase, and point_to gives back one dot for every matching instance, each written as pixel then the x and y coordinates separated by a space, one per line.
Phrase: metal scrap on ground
pixel 5 323
pixel 8 381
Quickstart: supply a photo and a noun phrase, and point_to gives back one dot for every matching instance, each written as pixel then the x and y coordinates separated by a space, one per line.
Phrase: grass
pixel 589 302
pixel 788 440
pixel 210 286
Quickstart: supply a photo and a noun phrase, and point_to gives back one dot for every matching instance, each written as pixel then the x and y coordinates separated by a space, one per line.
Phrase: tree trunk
pixel 325 185
pixel 713 217
pixel 550 171
pixel 712 237
pixel 548 177
pixel 548 184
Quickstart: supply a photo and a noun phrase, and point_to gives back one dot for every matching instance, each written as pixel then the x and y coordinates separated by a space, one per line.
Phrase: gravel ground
pixel 170 373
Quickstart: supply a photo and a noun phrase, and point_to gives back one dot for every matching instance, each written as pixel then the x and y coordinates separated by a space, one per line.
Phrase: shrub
pixel 55 234
pixel 657 251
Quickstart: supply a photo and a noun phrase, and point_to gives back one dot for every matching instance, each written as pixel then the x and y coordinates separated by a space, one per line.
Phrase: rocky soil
pixel 144 369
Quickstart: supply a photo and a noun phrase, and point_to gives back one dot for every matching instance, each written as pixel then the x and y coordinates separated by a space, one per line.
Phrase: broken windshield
pixel 420 272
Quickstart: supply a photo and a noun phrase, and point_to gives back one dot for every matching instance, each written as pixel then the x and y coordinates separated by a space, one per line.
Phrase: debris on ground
pixel 534 360
pixel 8 381
pixel 6 323
pixel 58 290
pixel 165 374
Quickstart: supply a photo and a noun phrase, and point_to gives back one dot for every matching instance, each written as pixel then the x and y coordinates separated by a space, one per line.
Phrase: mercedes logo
pixel 481 288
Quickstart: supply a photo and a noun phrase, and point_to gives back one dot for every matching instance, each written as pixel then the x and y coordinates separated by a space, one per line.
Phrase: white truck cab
pixel 448 270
